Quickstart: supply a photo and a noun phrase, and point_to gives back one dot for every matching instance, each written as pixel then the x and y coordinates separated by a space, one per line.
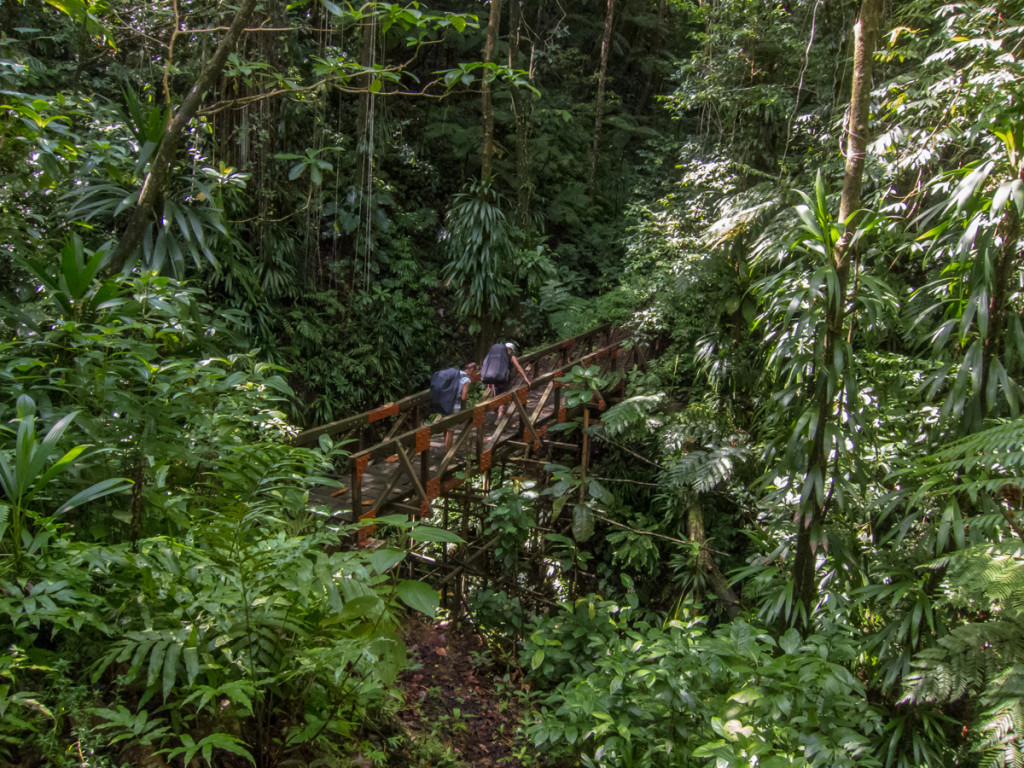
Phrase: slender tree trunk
pixel 811 518
pixel 487 336
pixel 658 45
pixel 606 43
pixel 160 167
pixel 487 151
pixel 364 149
pixel 719 586
pixel 520 105
pixel 139 479
pixel 999 302
pixel 857 132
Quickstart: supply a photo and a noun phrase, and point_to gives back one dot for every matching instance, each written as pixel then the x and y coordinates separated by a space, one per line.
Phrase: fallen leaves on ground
pixel 449 695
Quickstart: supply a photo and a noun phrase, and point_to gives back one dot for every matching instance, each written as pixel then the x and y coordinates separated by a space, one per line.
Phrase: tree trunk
pixel 811 517
pixel 520 105
pixel 658 44
pixel 719 586
pixel 606 43
pixel 160 167
pixel 865 35
pixel 1000 305
pixel 487 336
pixel 487 151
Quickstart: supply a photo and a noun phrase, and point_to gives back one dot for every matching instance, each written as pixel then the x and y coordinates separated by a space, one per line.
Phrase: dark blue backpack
pixel 444 391
pixel 494 369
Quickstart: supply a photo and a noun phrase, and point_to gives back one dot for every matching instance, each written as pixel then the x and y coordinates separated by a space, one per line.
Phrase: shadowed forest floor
pixel 453 700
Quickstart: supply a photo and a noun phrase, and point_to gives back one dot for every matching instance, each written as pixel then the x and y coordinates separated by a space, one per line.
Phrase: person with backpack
pixel 496 370
pixel 449 389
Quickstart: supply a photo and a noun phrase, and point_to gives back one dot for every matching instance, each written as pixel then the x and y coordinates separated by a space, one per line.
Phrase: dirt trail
pixel 451 696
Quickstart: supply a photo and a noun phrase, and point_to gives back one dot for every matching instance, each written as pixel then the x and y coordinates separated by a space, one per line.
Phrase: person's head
pixel 511 347
pixel 471 367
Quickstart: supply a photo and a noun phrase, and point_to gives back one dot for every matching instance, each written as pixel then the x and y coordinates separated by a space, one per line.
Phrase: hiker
pixel 449 389
pixel 496 370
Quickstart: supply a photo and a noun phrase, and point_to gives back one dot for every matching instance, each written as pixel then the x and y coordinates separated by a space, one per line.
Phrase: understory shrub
pixel 623 692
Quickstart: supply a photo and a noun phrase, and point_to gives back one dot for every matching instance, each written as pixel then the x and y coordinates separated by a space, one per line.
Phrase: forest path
pixel 455 701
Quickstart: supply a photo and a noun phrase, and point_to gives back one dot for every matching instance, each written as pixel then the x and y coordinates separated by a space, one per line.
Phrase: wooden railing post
pixel 425 468
pixel 354 490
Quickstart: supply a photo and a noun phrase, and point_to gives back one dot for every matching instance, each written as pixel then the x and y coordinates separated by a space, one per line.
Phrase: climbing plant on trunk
pixel 602 76
pixel 160 167
pixel 829 373
pixel 487 108
pixel 481 241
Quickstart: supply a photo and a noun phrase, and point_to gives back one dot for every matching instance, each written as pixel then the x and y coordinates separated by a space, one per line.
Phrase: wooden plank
pixel 404 457
pixel 562 446
pixel 310 436
pixel 382 498
pixel 476 555
pixel 409 508
pixel 527 424
pixel 399 423
pixel 558 345
pixel 493 440
pixel 543 399
pixel 357 496
pixel 456 445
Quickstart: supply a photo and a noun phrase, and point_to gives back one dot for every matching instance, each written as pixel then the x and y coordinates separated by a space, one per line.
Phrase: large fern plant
pixel 979 665
pixel 977 668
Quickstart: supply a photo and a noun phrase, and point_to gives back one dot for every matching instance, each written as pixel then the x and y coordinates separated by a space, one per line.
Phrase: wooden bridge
pixel 400 464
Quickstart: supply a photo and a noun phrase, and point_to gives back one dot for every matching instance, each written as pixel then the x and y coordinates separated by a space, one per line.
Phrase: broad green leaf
pixel 360 607
pixel 382 560
pixel 746 696
pixel 582 523
pixel 437 535
pixel 419 596
pixel 97 491
pixel 170 671
pixel 790 641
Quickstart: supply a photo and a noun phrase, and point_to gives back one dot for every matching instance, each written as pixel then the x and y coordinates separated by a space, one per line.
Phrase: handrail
pixel 447 423
pixel 310 436
pixel 394 455
pixel 564 344
pixel 422 397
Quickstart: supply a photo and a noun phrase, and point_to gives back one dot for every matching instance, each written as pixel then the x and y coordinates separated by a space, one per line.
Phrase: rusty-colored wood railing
pixel 420 472
pixel 366 428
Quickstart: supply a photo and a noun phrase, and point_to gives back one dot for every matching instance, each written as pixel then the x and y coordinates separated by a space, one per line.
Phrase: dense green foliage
pixel 193 583
pixel 324 241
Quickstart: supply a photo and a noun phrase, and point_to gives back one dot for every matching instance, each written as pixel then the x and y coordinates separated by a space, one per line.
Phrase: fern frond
pixel 991 573
pixel 702 471
pixel 981 462
pixel 630 412
pixel 1002 735
pixel 971 658
pixel 701 425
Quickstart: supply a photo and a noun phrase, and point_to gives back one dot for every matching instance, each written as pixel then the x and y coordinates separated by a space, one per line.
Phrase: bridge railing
pixel 420 471
pixel 384 422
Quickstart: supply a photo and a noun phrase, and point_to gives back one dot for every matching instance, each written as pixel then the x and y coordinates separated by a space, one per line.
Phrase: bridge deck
pixel 377 476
